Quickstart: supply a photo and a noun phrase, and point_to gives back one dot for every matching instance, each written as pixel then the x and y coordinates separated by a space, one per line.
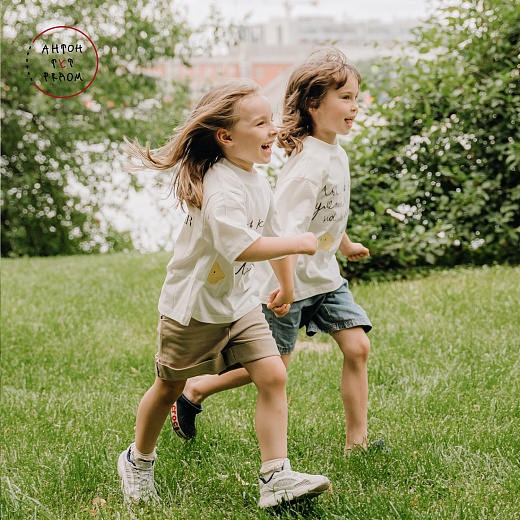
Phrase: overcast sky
pixel 263 10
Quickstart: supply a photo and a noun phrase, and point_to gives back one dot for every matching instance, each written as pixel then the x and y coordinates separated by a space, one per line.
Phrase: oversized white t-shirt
pixel 313 194
pixel 203 279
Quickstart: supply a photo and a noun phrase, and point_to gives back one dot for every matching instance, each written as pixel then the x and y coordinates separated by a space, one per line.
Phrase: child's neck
pixel 326 137
pixel 248 167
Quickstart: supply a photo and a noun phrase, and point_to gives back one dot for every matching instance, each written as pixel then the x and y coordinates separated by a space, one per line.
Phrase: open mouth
pixel 266 147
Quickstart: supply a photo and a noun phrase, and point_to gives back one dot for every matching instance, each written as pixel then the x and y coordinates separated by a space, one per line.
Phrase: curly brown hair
pixel 324 69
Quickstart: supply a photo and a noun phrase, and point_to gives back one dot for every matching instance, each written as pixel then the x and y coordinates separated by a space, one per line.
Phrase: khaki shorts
pixel 211 348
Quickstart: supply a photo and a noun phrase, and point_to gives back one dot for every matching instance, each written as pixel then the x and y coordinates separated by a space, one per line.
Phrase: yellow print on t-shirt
pixel 215 274
pixel 325 242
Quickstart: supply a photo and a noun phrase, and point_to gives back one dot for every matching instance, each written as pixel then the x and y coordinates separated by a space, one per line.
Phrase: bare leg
pixel 200 387
pixel 269 376
pixel 153 410
pixel 286 358
pixel 355 346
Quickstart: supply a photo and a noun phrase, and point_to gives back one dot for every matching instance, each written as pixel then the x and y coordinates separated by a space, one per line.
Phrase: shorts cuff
pixel 168 373
pixel 229 359
pixel 286 350
pixel 340 325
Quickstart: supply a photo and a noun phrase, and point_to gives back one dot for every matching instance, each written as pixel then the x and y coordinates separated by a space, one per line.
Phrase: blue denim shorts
pixel 324 313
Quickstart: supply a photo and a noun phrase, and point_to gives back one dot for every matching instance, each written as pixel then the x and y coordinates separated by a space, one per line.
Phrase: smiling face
pixel 250 139
pixel 336 113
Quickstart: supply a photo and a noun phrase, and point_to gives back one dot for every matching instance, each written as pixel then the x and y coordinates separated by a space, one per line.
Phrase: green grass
pixel 78 341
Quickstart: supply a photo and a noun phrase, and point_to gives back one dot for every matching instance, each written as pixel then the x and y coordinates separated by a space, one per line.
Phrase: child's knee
pixel 364 347
pixel 357 348
pixel 169 391
pixel 268 374
pixel 275 375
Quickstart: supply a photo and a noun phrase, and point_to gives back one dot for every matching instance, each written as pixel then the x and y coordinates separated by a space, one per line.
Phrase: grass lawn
pixel 78 342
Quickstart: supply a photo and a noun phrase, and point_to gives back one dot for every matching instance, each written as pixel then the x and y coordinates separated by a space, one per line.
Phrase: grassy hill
pixel 78 342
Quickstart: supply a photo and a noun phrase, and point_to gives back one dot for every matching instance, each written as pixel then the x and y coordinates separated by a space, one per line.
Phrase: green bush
pixel 435 165
pixel 61 157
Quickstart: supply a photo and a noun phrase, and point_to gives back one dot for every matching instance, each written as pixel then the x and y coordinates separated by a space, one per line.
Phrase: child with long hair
pixel 312 194
pixel 210 316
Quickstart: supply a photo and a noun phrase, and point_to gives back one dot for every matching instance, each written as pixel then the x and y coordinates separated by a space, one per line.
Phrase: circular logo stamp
pixel 62 62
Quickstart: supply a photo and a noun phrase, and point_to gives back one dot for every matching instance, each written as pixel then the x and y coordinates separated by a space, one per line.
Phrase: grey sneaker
pixel 136 478
pixel 287 485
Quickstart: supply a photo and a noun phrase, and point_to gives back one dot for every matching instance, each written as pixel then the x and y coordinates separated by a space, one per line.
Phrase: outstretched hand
pixel 355 251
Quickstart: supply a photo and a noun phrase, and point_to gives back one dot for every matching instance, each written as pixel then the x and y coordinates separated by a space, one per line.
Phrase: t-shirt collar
pixel 250 177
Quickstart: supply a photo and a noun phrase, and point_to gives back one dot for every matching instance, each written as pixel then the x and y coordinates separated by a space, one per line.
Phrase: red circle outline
pixel 95 50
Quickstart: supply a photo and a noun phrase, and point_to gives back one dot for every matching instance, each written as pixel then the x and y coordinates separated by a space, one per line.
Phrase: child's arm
pixel 354 251
pixel 266 248
pixel 280 299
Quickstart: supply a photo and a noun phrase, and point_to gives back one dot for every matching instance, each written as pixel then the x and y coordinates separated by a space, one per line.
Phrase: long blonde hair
pixel 194 148
pixel 324 69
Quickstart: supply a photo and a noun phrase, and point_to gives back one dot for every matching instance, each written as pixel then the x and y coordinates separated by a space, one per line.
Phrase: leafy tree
pixel 436 165
pixel 59 156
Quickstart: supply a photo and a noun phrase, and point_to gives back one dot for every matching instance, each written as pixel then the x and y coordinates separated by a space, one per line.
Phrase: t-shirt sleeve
pixel 297 192
pixel 295 200
pixel 226 221
pixel 272 226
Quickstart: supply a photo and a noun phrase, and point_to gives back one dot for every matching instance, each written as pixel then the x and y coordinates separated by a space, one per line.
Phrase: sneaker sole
pixel 175 423
pixel 279 497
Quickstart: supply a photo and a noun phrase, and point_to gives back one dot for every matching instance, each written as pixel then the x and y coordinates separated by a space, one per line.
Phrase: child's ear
pixel 223 137
pixel 313 105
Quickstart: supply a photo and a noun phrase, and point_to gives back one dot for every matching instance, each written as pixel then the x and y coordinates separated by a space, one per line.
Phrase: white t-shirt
pixel 313 194
pixel 203 280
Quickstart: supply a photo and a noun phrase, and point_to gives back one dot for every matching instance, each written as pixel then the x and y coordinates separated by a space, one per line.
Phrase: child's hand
pixel 282 310
pixel 279 302
pixel 308 243
pixel 354 251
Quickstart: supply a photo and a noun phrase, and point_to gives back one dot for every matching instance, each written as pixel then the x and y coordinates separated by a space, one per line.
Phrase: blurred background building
pixel 267 52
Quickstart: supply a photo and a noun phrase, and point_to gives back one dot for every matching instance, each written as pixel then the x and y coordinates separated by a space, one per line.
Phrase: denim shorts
pixel 324 313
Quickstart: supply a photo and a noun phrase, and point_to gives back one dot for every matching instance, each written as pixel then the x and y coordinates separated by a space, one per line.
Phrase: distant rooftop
pixel 268 52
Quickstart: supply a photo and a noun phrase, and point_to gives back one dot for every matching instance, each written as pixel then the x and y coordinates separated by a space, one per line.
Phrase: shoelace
pixel 145 478
pixel 146 481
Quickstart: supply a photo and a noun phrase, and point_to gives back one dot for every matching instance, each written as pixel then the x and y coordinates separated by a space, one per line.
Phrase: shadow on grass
pixel 305 507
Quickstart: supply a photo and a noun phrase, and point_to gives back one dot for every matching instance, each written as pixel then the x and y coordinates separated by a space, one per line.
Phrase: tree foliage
pixel 60 156
pixel 435 168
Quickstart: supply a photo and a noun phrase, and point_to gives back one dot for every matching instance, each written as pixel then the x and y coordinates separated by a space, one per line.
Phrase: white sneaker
pixel 286 485
pixel 136 478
